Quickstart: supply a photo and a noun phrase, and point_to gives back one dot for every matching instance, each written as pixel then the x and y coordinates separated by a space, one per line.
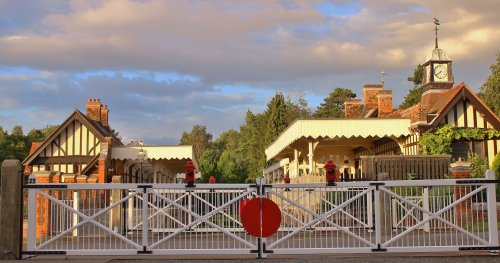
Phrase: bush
pixel 495 166
pixel 479 165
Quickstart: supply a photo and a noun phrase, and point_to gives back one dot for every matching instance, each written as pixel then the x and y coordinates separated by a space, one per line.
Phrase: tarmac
pixel 459 257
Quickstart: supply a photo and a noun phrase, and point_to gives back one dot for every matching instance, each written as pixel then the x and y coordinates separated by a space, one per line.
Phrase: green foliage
pixel 297 107
pixel 479 165
pixel 231 168
pixel 418 75
pixel 412 98
pixel 198 137
pixel 208 165
pixel 439 141
pixel 490 90
pixel 495 166
pixel 276 117
pixel 253 145
pixel 16 145
pixel 415 93
pixel 333 105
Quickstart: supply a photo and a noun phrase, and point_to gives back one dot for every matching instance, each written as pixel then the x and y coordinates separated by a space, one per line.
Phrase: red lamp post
pixel 189 174
pixel 332 174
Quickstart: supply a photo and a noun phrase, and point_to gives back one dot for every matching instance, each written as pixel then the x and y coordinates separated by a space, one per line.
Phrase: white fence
pixel 392 216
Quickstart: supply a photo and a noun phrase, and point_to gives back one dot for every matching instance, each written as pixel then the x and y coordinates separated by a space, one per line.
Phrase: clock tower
pixel 437 68
pixel 437 78
pixel 437 71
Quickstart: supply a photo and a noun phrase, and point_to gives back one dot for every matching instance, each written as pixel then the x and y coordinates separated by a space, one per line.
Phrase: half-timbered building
pixel 85 145
pixel 372 128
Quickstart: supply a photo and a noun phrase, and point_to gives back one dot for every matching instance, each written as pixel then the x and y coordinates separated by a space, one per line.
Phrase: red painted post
pixel 189 173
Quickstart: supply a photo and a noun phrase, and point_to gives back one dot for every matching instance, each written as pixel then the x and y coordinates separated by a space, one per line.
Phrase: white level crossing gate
pixel 352 217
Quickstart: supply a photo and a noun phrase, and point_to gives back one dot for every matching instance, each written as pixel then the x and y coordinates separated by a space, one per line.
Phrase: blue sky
pixel 163 66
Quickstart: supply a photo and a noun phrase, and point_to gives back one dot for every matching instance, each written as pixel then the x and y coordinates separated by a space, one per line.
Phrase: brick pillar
pixel 42 206
pixel 102 171
pixel 461 170
pixel 69 179
pixel 82 179
pixel 93 193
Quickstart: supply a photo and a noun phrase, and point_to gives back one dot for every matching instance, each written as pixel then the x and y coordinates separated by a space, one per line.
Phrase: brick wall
pixel 370 93
pixel 94 109
pixel 384 103
pixel 105 115
pixel 353 108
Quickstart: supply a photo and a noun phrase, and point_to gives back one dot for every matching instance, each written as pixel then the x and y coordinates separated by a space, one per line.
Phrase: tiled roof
pixel 34 147
pixel 446 98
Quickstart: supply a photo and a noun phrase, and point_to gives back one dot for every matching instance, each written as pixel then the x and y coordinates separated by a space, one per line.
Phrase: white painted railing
pixel 393 216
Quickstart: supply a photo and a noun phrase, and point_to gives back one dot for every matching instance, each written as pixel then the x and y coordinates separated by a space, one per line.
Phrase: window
pixel 459 150
pixel 478 148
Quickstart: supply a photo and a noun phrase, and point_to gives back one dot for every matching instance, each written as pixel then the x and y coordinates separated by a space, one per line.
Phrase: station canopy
pixel 339 129
pixel 174 154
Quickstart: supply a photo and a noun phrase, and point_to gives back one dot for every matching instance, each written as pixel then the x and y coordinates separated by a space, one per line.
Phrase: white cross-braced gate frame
pixel 351 217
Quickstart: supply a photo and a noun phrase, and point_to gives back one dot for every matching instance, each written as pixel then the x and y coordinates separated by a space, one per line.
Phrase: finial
pixel 436 24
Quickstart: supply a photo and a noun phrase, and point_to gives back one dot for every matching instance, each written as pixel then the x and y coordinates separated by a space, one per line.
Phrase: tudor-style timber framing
pixel 72 147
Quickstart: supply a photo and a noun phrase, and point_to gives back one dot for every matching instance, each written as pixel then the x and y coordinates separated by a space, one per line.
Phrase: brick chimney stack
pixel 94 109
pixel 353 108
pixel 370 93
pixel 384 99
pixel 105 115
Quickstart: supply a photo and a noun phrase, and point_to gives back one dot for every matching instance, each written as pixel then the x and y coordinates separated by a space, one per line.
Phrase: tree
pixel 297 107
pixel 230 168
pixel 198 137
pixel 333 105
pixel 208 165
pixel 418 75
pixel 415 93
pixel 253 145
pixel 276 117
pixel 490 90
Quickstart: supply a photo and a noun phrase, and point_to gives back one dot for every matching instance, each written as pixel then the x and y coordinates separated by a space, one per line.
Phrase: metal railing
pixel 393 216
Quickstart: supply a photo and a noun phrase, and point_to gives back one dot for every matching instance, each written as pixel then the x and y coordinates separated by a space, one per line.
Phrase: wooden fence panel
pixel 403 167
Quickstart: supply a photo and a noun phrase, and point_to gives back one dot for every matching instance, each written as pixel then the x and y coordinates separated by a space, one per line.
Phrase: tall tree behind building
pixel 490 90
pixel 198 137
pixel 297 107
pixel 276 117
pixel 333 105
pixel 415 93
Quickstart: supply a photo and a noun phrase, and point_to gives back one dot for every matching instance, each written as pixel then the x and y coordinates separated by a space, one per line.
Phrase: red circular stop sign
pixel 251 212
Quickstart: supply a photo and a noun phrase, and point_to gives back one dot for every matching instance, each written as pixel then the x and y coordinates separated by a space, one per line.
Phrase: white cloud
pixel 265 45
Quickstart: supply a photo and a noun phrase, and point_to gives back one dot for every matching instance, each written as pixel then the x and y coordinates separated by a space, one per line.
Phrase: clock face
pixel 440 72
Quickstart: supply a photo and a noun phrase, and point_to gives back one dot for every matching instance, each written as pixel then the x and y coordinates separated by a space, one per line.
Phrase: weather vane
pixel 436 23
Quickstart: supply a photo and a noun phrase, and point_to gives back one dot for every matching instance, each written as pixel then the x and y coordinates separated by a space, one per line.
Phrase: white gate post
pixel 145 227
pixel 76 199
pixel 492 209
pixel 369 200
pixel 378 224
